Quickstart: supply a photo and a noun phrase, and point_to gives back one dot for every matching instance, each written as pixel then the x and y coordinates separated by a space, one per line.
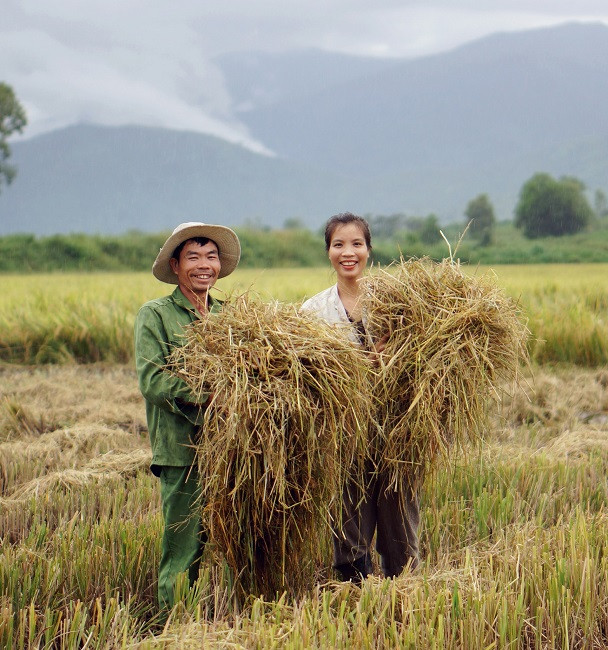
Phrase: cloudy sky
pixel 150 61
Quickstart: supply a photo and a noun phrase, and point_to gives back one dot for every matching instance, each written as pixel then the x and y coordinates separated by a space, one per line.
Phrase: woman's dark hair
pixel 342 219
pixel 199 240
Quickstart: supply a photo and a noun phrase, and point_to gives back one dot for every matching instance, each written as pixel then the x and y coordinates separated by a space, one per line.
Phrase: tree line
pixel 12 120
pixel 547 207
pixel 135 251
pixel 293 247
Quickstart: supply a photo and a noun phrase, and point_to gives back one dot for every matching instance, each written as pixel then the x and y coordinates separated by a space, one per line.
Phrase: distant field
pixel 89 317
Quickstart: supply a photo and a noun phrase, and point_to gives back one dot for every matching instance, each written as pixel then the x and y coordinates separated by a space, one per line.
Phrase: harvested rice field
pixel 514 536
pixel 514 532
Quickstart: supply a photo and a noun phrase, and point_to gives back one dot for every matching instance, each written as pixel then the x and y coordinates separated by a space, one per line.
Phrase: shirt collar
pixel 182 301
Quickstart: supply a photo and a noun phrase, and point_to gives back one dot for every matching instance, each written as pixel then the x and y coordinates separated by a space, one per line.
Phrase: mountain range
pixel 417 136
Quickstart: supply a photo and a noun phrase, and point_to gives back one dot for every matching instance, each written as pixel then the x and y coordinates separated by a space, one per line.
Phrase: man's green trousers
pixel 183 538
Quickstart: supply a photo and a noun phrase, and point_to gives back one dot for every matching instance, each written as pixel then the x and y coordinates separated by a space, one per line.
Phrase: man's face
pixel 197 268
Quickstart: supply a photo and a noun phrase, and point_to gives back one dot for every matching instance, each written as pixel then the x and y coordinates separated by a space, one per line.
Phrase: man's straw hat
pixel 227 242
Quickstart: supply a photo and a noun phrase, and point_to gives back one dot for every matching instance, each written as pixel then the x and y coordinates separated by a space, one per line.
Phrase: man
pixel 193 257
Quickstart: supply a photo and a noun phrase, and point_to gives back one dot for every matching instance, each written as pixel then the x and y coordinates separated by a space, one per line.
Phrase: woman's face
pixel 348 251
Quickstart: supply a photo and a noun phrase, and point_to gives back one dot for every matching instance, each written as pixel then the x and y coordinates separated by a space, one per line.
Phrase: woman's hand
pixel 380 345
pixel 378 348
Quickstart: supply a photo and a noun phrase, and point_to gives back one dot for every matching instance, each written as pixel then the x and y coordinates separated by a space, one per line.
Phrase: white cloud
pixel 421 30
pixel 149 61
pixel 90 73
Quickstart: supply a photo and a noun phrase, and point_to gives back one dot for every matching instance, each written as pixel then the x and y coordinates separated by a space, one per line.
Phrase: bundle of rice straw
pixel 453 340
pixel 288 422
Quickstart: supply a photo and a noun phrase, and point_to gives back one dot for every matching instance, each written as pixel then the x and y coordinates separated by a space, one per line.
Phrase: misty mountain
pixel 262 79
pixel 101 179
pixel 371 136
pixel 502 96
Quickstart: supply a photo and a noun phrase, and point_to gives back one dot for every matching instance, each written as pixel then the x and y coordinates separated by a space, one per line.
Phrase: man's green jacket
pixel 174 413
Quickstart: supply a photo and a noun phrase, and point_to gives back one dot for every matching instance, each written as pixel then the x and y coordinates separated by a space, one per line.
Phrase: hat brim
pixel 226 239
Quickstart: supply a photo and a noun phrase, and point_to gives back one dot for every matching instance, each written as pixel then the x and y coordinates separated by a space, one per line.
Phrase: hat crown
pixel 187 224
pixel 226 239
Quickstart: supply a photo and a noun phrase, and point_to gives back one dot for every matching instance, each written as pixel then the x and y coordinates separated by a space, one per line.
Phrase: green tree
pixel 429 233
pixel 601 204
pixel 480 213
pixel 549 207
pixel 12 120
pixel 293 223
pixel 383 226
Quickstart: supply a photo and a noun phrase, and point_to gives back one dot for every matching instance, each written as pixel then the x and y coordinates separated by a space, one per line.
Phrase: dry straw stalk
pixel 287 424
pixel 453 339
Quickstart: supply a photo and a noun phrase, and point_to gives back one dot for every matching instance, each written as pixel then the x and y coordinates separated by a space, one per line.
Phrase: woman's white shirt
pixel 328 306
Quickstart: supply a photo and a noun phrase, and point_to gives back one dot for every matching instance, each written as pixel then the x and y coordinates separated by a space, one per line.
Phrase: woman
pixel 393 516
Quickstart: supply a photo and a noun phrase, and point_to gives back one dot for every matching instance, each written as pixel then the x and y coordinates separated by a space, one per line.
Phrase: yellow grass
pixel 289 419
pixel 62 318
pixel 453 340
